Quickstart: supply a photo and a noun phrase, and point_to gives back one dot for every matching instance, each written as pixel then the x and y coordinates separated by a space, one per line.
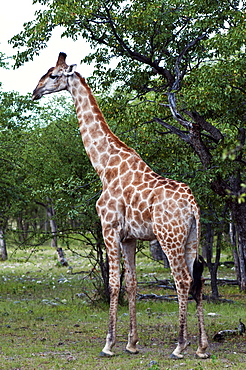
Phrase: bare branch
pixel 180 75
pixel 172 129
pixel 239 88
pixel 175 113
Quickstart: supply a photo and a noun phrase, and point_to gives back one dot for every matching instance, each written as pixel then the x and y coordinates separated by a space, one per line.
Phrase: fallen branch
pixel 217 300
pixel 224 281
pixel 158 297
pixel 165 284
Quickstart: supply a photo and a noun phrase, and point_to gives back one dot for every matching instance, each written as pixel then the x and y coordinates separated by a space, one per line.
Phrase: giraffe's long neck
pixel 98 139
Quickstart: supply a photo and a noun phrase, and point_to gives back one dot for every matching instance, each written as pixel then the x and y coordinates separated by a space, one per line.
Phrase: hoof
pixel 104 354
pixel 176 357
pixel 132 352
pixel 202 356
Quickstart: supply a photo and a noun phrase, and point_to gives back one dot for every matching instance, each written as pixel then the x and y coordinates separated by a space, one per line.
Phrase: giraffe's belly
pixel 138 226
pixel 143 233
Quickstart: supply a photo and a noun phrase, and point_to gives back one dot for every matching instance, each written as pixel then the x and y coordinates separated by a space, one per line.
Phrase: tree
pixel 53 170
pixel 15 113
pixel 179 52
pixel 3 62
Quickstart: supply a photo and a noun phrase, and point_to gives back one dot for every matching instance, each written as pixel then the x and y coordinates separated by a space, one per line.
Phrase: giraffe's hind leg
pixel 175 252
pixel 196 269
pixel 203 341
pixel 183 281
pixel 183 287
pixel 197 294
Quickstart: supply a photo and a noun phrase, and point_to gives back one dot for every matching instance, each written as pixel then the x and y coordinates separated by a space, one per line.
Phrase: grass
pixel 46 323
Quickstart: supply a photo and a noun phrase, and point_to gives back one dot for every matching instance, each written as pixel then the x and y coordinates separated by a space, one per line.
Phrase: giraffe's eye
pixel 53 77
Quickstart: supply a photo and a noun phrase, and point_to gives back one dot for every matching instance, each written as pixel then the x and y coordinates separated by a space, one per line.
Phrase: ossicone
pixel 61 59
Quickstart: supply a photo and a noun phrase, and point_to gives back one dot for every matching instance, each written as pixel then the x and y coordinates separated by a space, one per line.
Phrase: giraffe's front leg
pixel 113 252
pixel 111 336
pixel 129 252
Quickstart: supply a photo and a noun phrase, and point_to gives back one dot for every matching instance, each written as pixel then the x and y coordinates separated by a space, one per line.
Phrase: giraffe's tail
pixel 198 265
pixel 197 284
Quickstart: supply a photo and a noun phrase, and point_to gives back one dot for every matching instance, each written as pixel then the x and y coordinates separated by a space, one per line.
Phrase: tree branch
pixel 205 125
pixel 172 129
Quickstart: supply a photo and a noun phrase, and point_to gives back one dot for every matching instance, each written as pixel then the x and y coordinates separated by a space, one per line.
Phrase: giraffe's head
pixel 56 79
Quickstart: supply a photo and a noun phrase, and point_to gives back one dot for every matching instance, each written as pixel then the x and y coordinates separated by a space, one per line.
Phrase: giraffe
pixel 135 203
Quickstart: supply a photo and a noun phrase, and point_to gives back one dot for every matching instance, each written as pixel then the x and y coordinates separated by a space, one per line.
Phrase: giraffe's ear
pixel 70 70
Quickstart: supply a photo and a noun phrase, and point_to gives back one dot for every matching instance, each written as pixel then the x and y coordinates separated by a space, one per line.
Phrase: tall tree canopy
pixel 167 39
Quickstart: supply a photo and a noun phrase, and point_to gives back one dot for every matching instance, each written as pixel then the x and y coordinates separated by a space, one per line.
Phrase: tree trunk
pixel 233 237
pixel 23 227
pixel 238 214
pixel 241 256
pixel 212 266
pixel 234 192
pixel 3 248
pixel 53 227
pixel 157 253
pixel 241 233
